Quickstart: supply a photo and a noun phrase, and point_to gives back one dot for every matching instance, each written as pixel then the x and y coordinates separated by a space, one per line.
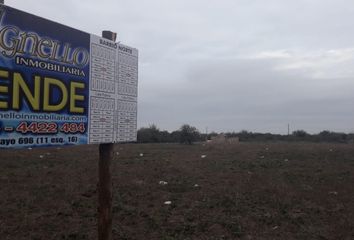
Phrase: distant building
pixel 222 139
pixel 233 140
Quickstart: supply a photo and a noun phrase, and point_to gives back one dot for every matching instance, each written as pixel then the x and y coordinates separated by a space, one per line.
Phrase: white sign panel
pixel 113 92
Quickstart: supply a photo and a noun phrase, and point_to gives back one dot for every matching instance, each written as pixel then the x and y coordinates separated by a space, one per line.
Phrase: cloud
pixel 331 63
pixel 230 64
pixel 250 94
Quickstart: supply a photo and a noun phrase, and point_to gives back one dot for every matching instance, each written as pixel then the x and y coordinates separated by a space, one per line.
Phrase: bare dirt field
pixel 240 191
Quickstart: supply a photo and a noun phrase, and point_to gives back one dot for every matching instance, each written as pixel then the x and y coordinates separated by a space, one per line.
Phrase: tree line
pixel 188 134
pixel 185 134
pixel 295 136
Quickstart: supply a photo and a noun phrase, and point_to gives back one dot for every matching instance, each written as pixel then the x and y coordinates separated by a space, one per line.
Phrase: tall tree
pixel 189 134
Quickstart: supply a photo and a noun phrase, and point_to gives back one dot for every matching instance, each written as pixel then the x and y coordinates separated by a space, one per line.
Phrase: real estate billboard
pixel 60 85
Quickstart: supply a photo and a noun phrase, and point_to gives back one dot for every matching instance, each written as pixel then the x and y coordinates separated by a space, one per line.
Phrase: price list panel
pixel 113 92
pixel 127 76
pixel 102 68
pixel 102 114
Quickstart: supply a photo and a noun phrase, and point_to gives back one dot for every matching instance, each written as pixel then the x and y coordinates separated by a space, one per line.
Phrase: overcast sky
pixel 230 64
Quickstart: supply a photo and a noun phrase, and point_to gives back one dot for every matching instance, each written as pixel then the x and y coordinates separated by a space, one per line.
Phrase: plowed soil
pixel 240 191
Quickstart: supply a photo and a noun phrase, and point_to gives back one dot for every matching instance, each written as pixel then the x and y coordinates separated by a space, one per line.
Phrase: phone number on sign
pixel 50 128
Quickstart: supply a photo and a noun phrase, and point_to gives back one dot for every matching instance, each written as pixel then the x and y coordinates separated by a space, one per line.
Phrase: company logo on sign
pixel 14 41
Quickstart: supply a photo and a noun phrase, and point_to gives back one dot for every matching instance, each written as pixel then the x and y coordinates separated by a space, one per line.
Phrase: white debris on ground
pixel 333 193
pixel 48 153
pixel 203 156
pixel 196 185
pixel 275 227
pixel 261 157
pixel 266 149
pixel 331 150
pixel 29 148
pixel 163 183
pixel 41 156
pixel 141 154
pixel 167 203
pixel 286 160
pixel 117 153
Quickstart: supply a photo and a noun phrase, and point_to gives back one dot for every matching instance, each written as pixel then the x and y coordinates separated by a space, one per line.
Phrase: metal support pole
pixel 105 180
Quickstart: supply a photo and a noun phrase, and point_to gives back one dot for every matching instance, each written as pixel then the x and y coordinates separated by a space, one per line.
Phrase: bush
pixel 189 134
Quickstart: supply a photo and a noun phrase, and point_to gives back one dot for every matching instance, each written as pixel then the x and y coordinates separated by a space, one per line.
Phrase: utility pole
pixel 288 129
pixel 105 179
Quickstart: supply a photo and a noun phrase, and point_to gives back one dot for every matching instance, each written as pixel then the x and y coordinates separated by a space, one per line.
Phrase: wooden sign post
pixel 105 191
pixel 105 179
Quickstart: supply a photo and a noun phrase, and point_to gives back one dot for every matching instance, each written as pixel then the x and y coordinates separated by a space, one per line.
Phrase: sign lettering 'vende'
pixel 39 98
